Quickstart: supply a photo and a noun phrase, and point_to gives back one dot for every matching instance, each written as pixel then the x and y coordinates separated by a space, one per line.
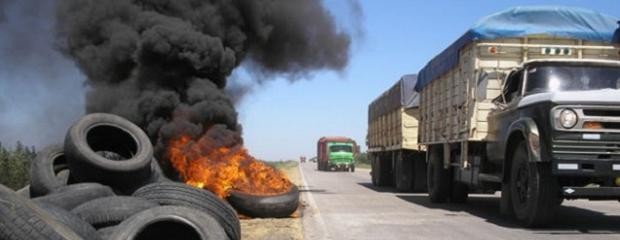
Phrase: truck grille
pixel 567 149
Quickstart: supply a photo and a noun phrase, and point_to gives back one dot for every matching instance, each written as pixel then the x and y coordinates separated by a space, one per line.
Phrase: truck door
pixel 503 116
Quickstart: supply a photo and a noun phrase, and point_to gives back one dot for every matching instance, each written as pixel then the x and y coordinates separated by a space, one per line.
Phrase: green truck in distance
pixel 336 153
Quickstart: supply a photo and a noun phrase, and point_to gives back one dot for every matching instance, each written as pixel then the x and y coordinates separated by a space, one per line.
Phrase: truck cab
pixel 336 153
pixel 557 132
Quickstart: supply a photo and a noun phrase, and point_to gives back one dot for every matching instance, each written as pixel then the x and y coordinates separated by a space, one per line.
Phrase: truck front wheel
pixel 533 190
pixel 438 177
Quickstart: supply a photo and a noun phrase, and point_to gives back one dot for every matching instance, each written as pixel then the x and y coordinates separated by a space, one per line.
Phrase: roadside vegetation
pixel 362 161
pixel 282 164
pixel 15 165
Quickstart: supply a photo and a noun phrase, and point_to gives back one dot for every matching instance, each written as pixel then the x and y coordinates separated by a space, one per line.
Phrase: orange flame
pixel 221 169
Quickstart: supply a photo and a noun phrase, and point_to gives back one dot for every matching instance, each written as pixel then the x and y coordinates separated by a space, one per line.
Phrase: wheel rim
pixel 522 183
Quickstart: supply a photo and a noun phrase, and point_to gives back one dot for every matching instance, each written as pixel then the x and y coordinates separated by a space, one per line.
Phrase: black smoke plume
pixel 164 64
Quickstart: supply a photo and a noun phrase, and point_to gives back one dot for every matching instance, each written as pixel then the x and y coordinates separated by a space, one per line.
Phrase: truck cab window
pixel 513 86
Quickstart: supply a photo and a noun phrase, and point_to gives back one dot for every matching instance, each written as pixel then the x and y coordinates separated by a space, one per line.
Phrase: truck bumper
pixel 594 193
pixel 587 168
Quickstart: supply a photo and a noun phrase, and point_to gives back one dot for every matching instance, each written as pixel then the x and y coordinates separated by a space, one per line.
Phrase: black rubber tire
pixel 438 177
pixel 70 196
pixel 459 193
pixel 110 211
pixel 505 201
pixel 374 178
pixel 100 132
pixel 44 170
pixel 353 168
pixel 403 172
pixel 22 219
pixel 24 192
pixel 419 173
pixel 382 171
pixel 276 206
pixel 170 222
pixel 106 233
pixel 74 222
pixel 179 194
pixel 534 201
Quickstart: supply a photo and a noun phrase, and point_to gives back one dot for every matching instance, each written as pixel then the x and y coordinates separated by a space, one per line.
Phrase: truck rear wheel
pixel 403 172
pixel 381 171
pixel 438 177
pixel 533 190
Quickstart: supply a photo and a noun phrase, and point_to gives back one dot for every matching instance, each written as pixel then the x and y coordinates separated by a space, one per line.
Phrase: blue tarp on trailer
pixel 562 22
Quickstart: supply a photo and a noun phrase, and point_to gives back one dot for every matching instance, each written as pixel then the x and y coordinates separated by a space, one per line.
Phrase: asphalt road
pixel 343 205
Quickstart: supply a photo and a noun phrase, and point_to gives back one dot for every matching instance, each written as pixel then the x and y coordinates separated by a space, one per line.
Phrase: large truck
pixel 396 157
pixel 526 102
pixel 336 153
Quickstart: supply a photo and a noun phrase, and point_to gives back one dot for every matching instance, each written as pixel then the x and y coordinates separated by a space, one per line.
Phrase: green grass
pixel 282 164
pixel 362 165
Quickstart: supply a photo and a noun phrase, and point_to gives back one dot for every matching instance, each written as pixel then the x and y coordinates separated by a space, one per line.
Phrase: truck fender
pixel 529 131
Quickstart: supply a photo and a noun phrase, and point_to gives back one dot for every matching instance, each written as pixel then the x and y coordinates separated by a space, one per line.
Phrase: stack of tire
pixel 103 183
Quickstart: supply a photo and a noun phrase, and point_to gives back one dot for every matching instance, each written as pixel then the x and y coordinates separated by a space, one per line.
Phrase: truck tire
pixel 45 169
pixel 110 211
pixel 21 219
pixel 459 193
pixel 108 149
pixel 72 221
pixel 180 194
pixel 419 173
pixel 403 172
pixel 276 206
pixel 382 171
pixel 373 170
pixel 353 168
pixel 169 222
pixel 70 196
pixel 534 191
pixel 438 177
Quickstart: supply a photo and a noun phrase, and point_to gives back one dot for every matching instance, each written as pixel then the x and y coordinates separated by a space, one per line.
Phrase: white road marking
pixel 316 214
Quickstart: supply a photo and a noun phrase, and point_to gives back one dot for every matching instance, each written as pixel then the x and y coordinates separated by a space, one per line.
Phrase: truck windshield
pixel 341 148
pixel 571 78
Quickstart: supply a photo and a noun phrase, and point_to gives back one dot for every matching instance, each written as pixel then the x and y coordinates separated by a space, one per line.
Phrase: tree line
pixel 15 165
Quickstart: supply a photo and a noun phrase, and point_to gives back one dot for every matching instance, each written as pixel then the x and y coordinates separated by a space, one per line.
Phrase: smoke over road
pixel 164 64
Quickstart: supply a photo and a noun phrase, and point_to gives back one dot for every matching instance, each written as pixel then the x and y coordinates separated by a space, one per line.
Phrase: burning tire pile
pixel 104 183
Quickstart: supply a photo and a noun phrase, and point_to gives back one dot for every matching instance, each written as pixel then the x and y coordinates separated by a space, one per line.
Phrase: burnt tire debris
pixel 104 183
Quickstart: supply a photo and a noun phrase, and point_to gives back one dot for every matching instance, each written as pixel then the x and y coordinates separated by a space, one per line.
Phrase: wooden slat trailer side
pixel 397 158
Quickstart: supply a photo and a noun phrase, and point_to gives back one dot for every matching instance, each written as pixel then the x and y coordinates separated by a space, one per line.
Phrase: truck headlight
pixel 568 118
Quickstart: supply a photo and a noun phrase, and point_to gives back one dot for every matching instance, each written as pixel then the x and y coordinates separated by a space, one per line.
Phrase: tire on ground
pixel 459 192
pixel 45 168
pixel 23 219
pixel 170 222
pixel 74 222
pixel 438 177
pixel 276 206
pixel 179 194
pixel 24 192
pixel 419 173
pixel 70 196
pixel 108 149
pixel 534 191
pixel 106 232
pixel 110 211
pixel 403 172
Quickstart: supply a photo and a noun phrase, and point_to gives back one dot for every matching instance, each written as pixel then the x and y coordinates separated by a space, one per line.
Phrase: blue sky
pixel 284 120
pixel 281 120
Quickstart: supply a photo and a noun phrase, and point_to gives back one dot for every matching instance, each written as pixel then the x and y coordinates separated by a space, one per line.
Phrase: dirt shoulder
pixel 276 228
